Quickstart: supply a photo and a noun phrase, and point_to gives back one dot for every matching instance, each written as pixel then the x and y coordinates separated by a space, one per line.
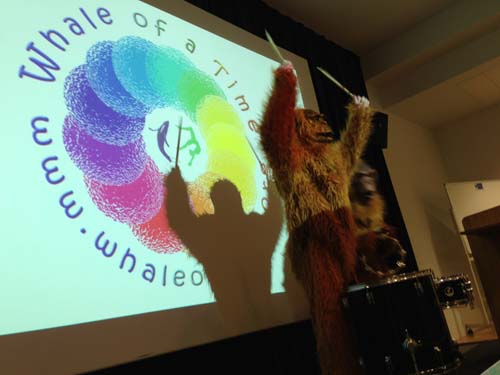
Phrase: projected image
pixel 109 99
pixel 102 101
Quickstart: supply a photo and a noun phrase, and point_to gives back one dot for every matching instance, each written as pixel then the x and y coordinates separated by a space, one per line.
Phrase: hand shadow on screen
pixel 234 248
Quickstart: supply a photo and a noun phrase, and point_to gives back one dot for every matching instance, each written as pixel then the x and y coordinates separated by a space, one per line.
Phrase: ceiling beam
pixel 447 28
pixel 439 70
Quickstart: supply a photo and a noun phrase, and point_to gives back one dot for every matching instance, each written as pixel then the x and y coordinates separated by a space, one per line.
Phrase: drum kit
pixel 399 323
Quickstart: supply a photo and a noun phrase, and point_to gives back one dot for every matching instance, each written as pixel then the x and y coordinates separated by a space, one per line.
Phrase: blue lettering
pixel 149 273
pixel 51 170
pixel 44 66
pixel 49 37
pixel 102 247
pixel 103 13
pixel 179 278
pixel 200 277
pixel 88 18
pixel 131 256
pixel 68 205
pixel 74 26
pixel 40 130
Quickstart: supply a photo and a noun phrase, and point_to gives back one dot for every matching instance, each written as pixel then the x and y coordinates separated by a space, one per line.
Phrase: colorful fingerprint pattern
pixel 109 98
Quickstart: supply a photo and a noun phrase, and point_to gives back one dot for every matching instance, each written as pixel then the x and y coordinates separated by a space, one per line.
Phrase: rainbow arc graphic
pixel 109 98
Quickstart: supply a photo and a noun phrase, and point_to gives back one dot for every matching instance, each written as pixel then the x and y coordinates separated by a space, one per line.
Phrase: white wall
pixel 471 147
pixel 418 174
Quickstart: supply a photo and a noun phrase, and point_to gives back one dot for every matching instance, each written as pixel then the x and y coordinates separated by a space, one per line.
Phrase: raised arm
pixel 278 124
pixel 179 214
pixel 358 129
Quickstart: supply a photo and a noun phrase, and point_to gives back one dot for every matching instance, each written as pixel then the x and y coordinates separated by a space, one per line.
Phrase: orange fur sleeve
pixel 356 135
pixel 278 134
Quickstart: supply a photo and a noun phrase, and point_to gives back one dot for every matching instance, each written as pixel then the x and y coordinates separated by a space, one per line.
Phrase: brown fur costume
pixel 313 174
pixel 380 253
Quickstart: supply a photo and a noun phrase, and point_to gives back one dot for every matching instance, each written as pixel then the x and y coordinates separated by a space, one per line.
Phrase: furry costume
pixel 380 254
pixel 313 173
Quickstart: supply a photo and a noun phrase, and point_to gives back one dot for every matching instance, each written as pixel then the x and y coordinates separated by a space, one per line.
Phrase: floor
pixel 479 357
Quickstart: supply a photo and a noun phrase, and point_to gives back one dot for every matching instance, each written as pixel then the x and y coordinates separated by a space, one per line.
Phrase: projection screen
pixel 100 100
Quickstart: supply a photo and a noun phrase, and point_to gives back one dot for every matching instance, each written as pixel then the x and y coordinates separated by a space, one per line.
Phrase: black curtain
pixel 255 17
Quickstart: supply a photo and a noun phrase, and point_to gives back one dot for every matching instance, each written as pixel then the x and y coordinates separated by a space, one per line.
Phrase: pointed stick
pixel 330 77
pixel 275 48
pixel 178 144
pixel 256 155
